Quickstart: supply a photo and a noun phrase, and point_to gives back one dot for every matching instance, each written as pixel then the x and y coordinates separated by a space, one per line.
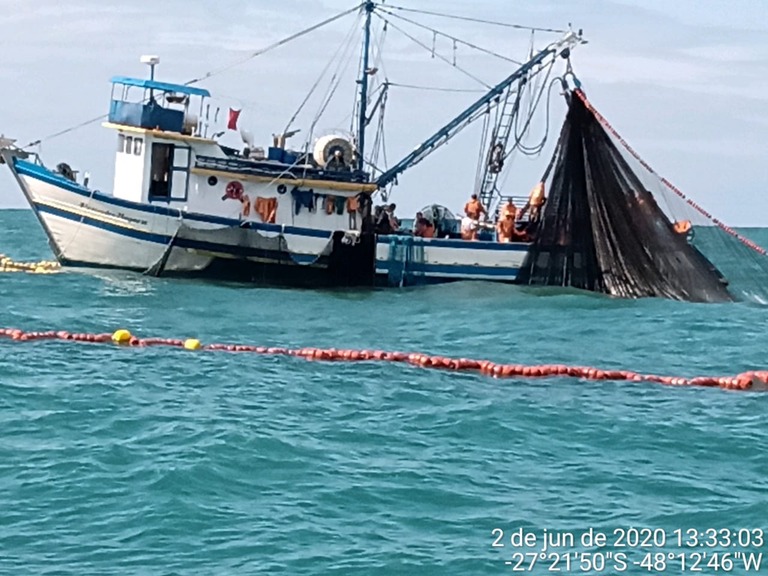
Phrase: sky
pixel 684 82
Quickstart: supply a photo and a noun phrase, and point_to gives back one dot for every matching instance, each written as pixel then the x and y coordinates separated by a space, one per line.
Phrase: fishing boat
pixel 183 203
pixel 299 215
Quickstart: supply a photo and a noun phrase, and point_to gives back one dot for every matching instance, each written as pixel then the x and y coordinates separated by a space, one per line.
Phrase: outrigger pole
pixel 368 7
pixel 561 47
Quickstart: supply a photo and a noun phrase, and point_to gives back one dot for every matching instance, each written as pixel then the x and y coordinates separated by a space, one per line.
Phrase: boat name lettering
pixel 120 215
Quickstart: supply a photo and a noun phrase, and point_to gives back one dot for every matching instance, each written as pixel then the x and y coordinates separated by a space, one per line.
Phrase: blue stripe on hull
pixel 382 280
pixel 228 249
pixel 417 273
pixel 43 174
pixel 453 243
pixel 416 268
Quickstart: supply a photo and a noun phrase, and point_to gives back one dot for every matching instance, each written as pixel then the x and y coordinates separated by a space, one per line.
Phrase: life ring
pixel 233 190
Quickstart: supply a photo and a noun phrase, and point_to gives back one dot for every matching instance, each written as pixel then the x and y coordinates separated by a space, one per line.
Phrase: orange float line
pixel 753 380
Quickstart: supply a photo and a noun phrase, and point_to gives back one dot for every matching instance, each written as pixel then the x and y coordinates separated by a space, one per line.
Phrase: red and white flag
pixel 233 116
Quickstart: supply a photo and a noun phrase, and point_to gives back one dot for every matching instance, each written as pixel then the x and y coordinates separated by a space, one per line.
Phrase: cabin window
pixel 137 145
pixel 128 144
pixel 180 174
pixel 160 170
pixel 120 142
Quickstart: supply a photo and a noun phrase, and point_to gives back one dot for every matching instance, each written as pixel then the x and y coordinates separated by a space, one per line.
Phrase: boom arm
pixel 449 130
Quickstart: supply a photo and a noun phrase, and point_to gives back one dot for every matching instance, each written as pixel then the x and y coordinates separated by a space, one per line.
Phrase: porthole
pixel 212 180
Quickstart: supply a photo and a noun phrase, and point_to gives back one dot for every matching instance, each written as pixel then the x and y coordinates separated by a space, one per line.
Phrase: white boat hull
pixel 88 228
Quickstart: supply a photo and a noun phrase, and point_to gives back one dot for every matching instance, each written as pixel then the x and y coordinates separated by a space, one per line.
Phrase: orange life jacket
pixel 473 209
pixel 505 229
pixel 508 208
pixel 266 208
pixel 682 227
pixel 536 197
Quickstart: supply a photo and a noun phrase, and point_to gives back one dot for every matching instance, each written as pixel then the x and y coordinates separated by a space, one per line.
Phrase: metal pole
pixel 369 6
pixel 151 79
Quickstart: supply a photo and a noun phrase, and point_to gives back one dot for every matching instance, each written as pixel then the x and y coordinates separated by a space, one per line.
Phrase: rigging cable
pixel 378 142
pixel 344 44
pixel 277 44
pixel 343 64
pixel 428 49
pixel 435 33
pixel 481 162
pixel 477 20
pixel 437 88
pixel 382 89
pixel 211 73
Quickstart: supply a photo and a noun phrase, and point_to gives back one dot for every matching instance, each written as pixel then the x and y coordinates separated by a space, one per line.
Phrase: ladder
pixel 497 147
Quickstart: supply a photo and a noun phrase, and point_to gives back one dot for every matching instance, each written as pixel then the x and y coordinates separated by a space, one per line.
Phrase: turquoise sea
pixel 164 461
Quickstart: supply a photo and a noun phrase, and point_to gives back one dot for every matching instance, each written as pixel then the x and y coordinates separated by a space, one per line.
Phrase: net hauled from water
pixel 612 225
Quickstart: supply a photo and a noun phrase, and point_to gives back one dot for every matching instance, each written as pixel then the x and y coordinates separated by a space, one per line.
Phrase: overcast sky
pixel 685 82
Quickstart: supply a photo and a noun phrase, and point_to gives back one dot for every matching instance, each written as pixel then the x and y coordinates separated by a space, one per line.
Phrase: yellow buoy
pixel 121 336
pixel 192 344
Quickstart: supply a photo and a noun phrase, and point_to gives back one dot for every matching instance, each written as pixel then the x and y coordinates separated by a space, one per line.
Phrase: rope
pixel 158 267
pixel 478 20
pixel 746 241
pixel 533 105
pixel 751 380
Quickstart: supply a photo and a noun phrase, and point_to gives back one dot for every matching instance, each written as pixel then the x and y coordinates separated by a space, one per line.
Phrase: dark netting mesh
pixel 602 229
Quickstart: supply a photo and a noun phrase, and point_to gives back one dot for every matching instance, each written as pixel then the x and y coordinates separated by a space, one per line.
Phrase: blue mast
pixel 368 7
pixel 450 129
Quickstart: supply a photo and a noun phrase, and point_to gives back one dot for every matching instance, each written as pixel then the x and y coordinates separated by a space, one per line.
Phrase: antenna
pixel 152 61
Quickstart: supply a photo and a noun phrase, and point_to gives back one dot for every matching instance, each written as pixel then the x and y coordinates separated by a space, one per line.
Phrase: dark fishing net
pixel 602 229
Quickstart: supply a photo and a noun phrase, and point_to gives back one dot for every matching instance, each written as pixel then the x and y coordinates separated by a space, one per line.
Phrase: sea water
pixel 164 461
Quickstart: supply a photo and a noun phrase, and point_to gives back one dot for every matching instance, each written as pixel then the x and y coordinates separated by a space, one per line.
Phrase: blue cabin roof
pixel 162 86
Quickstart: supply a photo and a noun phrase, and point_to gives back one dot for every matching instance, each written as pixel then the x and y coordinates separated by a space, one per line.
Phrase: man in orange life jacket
pixel 474 208
pixel 505 227
pixel 536 200
pixel 422 227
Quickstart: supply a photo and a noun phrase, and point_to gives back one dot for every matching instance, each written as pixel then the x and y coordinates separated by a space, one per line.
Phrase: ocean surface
pixel 164 461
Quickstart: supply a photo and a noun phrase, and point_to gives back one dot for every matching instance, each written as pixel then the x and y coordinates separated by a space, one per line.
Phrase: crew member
pixel 496 161
pixel 536 200
pixel 422 227
pixel 474 208
pixel 394 222
pixel 468 228
pixel 510 208
pixel 505 227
